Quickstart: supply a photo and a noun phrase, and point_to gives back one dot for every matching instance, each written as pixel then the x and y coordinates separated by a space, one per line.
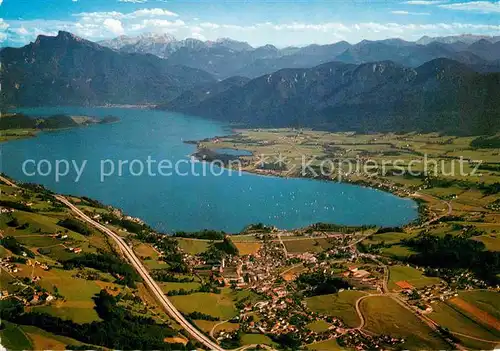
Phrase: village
pixel 284 272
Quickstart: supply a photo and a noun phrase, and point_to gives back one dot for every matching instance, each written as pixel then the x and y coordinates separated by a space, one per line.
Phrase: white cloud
pixel 423 2
pixel 3 25
pixel 474 6
pixel 134 1
pixel 1 2
pixel 153 12
pixel 113 25
pixel 113 14
pixel 406 13
pixel 119 15
pixel 21 31
pixel 98 27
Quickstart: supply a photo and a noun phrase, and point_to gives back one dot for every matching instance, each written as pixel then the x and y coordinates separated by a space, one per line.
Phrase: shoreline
pixel 413 196
pixel 6 179
pixel 81 121
pixel 9 181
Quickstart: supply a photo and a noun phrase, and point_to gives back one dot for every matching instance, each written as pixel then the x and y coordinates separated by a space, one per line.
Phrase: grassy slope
pixel 76 302
pixel 385 316
pixel 14 338
pixel 449 317
pixel 325 345
pixel 217 305
pixel 411 275
pixel 341 305
pixel 488 301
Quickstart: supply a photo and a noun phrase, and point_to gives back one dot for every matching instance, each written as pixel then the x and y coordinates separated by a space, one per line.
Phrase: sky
pixel 258 22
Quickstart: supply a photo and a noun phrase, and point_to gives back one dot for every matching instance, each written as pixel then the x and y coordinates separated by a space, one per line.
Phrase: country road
pixel 283 244
pixel 437 217
pixel 394 296
pixel 148 280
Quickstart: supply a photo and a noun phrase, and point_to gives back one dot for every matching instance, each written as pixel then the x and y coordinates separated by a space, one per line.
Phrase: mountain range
pixel 373 85
pixel 66 70
pixel 464 38
pixel 440 95
pixel 225 57
pixel 163 45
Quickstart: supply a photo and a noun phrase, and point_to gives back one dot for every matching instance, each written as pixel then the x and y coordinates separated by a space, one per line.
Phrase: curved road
pixel 148 281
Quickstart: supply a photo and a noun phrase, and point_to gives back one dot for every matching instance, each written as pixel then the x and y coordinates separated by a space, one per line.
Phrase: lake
pixel 189 202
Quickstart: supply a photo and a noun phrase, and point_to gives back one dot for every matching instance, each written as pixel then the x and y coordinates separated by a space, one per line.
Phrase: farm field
pixel 25 337
pixel 306 245
pixel 492 241
pixel 475 313
pixel 36 225
pixel 78 304
pixel 244 238
pixel 397 251
pixel 446 315
pixel 227 327
pixel 247 248
pixel 9 283
pixel 318 326
pixel 251 339
pixel 14 338
pixel 204 325
pixel 387 238
pixel 325 345
pixel 193 246
pixel 385 316
pixel 290 273
pixel 43 340
pixel 166 287
pixel 155 264
pixel 486 300
pixel 341 305
pixel 411 275
pixel 217 305
pixel 144 250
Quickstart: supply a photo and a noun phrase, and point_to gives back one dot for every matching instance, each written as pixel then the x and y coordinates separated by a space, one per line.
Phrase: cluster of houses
pixel 355 272
pixel 358 340
pixel 36 263
pixel 6 210
pixel 41 297
pixel 28 298
pixel 8 266
pixel 75 250
pixel 247 271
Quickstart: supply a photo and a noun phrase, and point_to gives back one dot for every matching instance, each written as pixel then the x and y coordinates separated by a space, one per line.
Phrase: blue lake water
pixel 174 202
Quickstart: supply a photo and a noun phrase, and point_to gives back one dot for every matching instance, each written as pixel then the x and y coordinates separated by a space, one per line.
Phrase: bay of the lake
pixel 176 202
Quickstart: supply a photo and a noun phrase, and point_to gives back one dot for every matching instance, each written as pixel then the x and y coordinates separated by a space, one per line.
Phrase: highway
pixel 148 280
